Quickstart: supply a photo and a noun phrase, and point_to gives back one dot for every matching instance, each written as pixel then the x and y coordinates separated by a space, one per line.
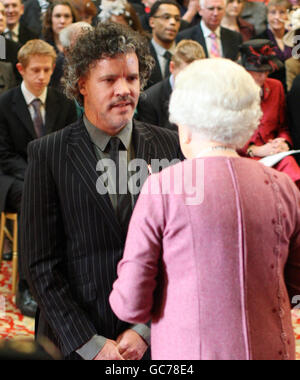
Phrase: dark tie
pixel 37 118
pixel 124 201
pixel 167 56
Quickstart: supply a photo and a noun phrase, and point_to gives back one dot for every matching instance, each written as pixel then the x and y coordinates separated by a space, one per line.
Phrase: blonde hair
pixel 187 51
pixel 35 47
pixel 279 3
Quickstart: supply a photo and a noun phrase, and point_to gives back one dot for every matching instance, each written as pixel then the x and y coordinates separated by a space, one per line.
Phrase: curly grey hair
pixel 106 40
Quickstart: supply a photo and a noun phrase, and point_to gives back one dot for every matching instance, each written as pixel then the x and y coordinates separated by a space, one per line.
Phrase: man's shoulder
pixel 53 92
pixel 7 96
pixel 189 32
pixel 230 33
pixel 154 131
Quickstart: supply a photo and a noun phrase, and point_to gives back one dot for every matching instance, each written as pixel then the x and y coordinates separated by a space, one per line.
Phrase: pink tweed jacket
pixel 215 276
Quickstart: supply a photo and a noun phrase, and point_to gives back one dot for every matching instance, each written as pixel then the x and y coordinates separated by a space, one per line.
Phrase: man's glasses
pixel 167 16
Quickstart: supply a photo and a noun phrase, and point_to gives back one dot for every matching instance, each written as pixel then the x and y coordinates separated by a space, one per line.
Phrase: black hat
pixel 258 55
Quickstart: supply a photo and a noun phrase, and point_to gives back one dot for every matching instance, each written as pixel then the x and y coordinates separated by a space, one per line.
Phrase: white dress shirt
pixel 29 97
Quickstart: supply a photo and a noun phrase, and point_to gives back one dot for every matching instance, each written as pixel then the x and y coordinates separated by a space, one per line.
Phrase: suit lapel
pixel 20 108
pixel 143 145
pixel 198 36
pixel 226 44
pixel 84 161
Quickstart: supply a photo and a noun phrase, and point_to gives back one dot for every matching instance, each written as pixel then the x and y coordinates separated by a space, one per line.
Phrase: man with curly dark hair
pixel 73 232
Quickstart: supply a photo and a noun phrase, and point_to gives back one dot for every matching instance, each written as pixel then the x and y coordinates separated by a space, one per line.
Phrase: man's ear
pixel 20 68
pixel 81 86
pixel 151 22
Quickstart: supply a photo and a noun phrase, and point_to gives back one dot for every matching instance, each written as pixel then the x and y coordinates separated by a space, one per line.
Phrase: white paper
pixel 275 158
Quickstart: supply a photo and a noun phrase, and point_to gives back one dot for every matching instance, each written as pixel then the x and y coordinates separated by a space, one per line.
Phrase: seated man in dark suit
pixel 216 40
pixel 28 112
pixel 153 106
pixel 16 30
pixel 165 23
pixel 11 47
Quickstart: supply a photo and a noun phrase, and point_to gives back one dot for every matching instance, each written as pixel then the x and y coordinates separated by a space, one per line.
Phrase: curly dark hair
pixel 106 40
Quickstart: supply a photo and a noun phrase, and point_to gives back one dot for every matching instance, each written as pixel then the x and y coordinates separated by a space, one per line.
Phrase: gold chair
pixel 14 239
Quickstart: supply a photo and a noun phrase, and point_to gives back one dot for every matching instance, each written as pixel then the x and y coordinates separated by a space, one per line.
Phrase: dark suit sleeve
pixel 42 248
pixel 294 112
pixel 10 161
pixel 146 110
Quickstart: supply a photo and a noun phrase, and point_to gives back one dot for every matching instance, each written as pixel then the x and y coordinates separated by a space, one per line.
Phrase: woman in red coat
pixel 272 135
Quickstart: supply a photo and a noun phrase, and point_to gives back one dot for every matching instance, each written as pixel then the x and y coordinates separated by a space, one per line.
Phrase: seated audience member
pixel 184 248
pixel 277 18
pixel 153 106
pixel 59 14
pixel 11 47
pixel 34 11
pixel 86 10
pixel 67 37
pixel 165 22
pixel 256 14
pixel 121 12
pixel 27 112
pixel 16 30
pixel 216 40
pixel 233 21
pixel 185 21
pixel 294 114
pixel 272 135
pixel 292 39
pixel 7 77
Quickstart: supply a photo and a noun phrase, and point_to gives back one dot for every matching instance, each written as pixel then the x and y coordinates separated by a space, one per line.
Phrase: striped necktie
pixel 37 118
pixel 214 48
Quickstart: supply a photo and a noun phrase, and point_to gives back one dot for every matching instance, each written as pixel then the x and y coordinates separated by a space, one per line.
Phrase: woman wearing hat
pixel 272 135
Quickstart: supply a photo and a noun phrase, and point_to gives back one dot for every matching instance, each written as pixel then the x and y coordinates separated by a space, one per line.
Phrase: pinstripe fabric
pixel 70 237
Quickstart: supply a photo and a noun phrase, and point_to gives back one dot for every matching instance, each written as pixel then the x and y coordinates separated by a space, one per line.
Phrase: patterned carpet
pixel 14 325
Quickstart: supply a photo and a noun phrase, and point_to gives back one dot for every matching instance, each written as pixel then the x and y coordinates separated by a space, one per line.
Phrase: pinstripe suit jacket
pixel 71 240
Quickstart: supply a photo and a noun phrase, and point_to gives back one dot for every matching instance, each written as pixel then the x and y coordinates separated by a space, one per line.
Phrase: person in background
pixel 277 19
pixel 28 112
pixel 122 12
pixel 59 14
pixel 16 30
pixel 153 106
pixel 34 11
pixel 185 247
pixel 292 39
pixel 165 23
pixel 256 14
pixel 272 135
pixel 67 38
pixel 86 10
pixel 216 40
pixel 232 19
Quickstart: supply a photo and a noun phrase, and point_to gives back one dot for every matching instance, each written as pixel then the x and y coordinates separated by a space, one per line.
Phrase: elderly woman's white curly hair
pixel 217 99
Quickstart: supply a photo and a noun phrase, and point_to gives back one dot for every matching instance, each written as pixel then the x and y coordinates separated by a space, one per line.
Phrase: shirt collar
pixel 101 138
pixel 161 50
pixel 29 97
pixel 206 31
pixel 15 30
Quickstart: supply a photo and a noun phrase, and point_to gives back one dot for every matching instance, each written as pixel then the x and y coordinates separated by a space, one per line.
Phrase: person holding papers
pixel 272 135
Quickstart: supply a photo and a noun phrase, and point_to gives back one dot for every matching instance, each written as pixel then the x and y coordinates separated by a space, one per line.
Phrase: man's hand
pixel 109 352
pixel 131 345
